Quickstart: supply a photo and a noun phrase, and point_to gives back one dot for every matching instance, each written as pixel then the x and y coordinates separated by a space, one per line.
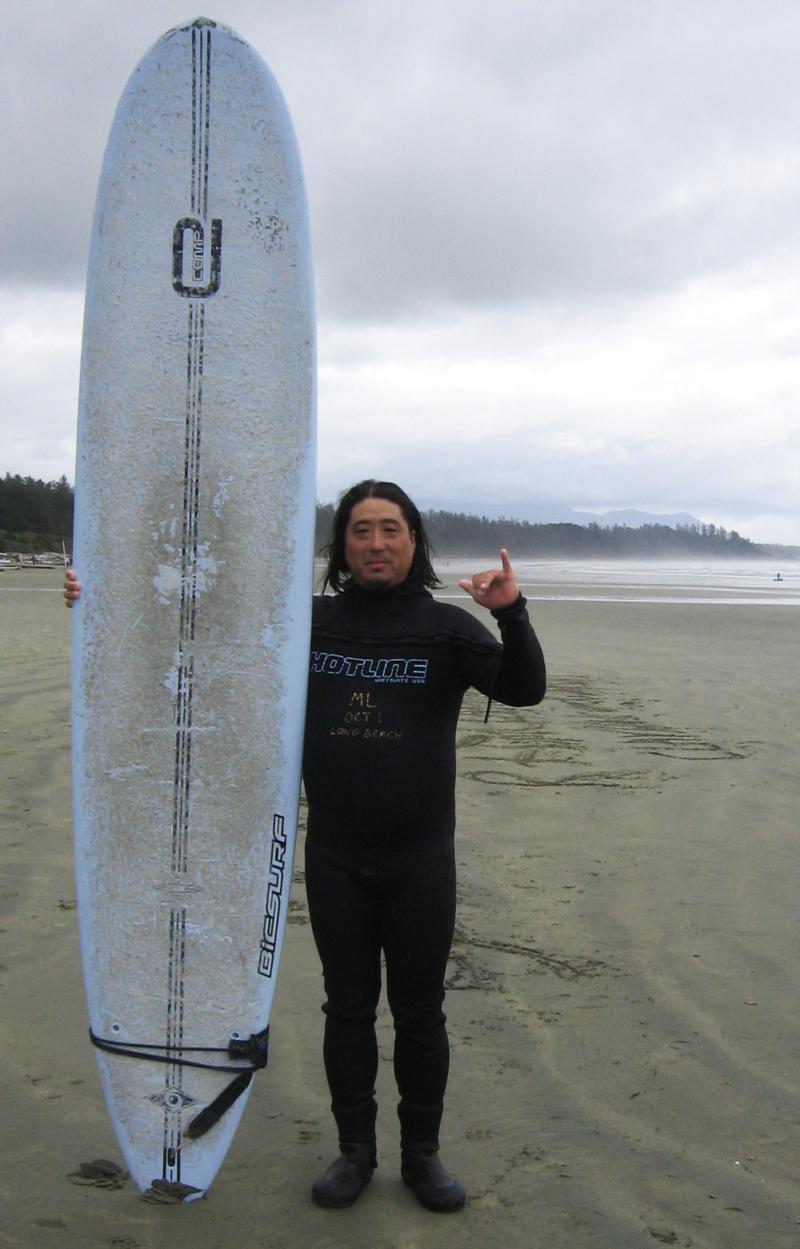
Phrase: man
pixel 389 668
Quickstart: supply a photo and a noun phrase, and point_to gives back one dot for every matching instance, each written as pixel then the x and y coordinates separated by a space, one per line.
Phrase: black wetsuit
pixel 388 673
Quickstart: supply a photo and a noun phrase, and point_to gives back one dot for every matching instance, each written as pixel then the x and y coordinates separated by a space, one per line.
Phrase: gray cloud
pixel 725 488
pixel 560 167
pixel 521 152
pixel 581 194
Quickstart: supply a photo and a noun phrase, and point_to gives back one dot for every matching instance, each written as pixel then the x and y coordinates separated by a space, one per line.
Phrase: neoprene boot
pixel 347 1176
pixel 432 1185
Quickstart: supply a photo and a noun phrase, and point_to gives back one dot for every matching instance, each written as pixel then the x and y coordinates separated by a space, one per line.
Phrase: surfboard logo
pixel 272 909
pixel 196 265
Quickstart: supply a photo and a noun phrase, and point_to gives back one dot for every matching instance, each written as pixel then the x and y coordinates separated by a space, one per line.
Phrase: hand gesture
pixel 496 588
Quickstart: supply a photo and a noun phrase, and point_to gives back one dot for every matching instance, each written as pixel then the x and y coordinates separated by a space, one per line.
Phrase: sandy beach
pixel 622 1007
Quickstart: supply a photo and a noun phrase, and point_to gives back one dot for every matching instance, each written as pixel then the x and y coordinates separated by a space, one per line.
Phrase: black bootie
pixel 432 1185
pixel 347 1176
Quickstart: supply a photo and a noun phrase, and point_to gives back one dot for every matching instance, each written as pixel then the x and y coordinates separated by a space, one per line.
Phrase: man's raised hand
pixel 495 588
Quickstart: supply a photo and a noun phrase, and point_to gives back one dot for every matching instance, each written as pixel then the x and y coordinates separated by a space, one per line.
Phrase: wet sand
pixel 623 999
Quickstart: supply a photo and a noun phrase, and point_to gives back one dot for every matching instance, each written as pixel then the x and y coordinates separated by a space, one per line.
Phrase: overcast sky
pixel 557 242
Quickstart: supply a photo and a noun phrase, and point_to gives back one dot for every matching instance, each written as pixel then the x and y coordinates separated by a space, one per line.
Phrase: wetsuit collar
pixel 410 587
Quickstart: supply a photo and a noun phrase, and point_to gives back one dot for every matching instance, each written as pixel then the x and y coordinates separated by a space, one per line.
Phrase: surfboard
pixel 194 544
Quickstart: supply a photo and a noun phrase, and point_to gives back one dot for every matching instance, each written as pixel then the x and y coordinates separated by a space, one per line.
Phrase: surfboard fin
pixel 170 1192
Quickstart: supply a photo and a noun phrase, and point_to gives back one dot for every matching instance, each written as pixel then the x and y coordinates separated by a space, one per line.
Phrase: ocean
pixel 724 583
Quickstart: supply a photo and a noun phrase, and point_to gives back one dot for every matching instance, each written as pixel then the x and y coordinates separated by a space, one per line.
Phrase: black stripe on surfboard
pixel 201 120
pixel 191 469
pixel 183 765
pixel 173 1075
pixel 189 585
pixel 174 1097
pixel 201 117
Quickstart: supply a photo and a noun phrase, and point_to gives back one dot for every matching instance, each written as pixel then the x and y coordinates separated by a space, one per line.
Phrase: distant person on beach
pixel 388 672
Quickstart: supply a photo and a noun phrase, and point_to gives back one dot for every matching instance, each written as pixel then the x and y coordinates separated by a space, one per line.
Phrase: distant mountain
pixel 634 519
pixel 563 514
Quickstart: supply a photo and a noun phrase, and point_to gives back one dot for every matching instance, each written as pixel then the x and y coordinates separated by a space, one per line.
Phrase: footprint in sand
pixel 101 1173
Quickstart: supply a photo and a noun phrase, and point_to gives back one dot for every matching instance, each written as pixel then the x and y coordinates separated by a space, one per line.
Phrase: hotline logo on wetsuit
pixel 381 671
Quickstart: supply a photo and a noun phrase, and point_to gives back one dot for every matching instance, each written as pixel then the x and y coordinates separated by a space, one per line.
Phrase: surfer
pixel 389 668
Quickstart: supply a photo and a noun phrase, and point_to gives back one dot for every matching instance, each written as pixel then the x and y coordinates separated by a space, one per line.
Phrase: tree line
pixel 455 534
pixel 37 516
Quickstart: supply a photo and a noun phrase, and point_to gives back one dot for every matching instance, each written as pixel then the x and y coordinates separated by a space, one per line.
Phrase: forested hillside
pixel 37 516
pixel 455 534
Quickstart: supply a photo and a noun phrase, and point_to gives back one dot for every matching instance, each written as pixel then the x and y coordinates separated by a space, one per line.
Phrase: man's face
pixel 378 545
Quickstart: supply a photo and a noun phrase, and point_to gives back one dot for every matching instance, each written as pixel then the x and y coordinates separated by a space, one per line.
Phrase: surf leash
pixel 255 1050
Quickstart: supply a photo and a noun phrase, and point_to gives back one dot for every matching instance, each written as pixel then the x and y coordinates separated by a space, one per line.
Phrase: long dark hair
pixel 337 575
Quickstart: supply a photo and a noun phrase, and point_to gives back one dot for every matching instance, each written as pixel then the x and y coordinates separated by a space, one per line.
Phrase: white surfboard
pixel 194 545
